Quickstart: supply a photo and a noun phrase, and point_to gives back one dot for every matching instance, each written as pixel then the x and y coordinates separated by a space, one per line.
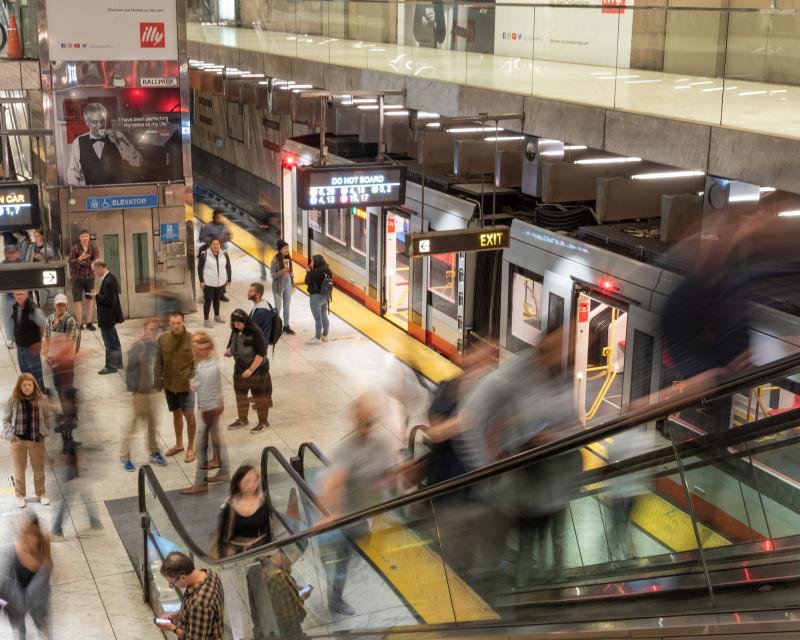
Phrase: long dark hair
pixel 238 476
pixel 239 315
pixel 318 262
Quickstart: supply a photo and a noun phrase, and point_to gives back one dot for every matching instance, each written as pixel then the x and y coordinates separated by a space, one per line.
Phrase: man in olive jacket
pixel 173 371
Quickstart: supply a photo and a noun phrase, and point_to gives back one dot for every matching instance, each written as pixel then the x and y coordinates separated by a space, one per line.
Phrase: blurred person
pixel 214 272
pixel 81 256
pixel 26 424
pixel 245 518
pixel 202 612
pixel 62 341
pixel 271 581
pixel 28 321
pixel 139 380
pixel 359 477
pixel 319 280
pixel 23 242
pixel 75 488
pixel 25 578
pixel 167 301
pixel 281 270
pixel 207 387
pixel 109 315
pixel 174 369
pixel 251 375
pixel 215 229
pixel 97 156
pixel 11 256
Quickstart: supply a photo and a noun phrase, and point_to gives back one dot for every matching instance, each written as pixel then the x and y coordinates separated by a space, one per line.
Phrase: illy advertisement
pixel 112 29
pixel 107 136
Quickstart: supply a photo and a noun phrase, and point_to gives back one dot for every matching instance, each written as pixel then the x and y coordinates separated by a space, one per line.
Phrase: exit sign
pixel 477 239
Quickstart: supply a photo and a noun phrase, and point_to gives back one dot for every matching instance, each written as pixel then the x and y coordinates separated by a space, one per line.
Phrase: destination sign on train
pixel 351 185
pixel 473 239
pixel 19 207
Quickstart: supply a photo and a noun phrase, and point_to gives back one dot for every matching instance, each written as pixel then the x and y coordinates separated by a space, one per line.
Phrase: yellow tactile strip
pixel 382 332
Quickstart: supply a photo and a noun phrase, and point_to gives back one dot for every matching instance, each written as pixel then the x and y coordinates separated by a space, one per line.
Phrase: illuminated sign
pixel 345 186
pixel 19 207
pixel 32 275
pixel 477 239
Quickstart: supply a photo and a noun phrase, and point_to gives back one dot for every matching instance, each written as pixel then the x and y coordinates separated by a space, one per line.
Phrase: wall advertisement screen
pixel 19 207
pixel 112 29
pixel 107 136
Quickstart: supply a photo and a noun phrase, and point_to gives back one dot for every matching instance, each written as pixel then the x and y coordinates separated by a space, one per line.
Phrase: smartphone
pixel 304 591
pixel 3 603
pixel 161 621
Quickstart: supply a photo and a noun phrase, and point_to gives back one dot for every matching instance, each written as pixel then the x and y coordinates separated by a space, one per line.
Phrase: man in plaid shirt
pixel 81 256
pixel 201 613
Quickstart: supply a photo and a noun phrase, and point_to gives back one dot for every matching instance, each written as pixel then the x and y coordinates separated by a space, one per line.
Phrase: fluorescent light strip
pixel 364 100
pixel 767 189
pixel 474 129
pixel 433 125
pixel 745 198
pixel 386 107
pixel 396 113
pixel 664 175
pixel 427 114
pixel 618 160
pixel 575 147
pixel 793 213
pixel 502 138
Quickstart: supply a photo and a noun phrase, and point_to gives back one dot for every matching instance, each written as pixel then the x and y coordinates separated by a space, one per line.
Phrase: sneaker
pixel 219 320
pixel 106 371
pixel 237 424
pixel 224 298
pixel 11 344
pixel 21 502
pixel 341 607
pixel 325 338
pixel 220 477
pixel 288 330
pixel 128 466
pixel 90 326
pixel 157 458
pixel 208 324
pixel 259 427
pixel 57 533
pixel 313 341
pixel 83 326
pixel 44 500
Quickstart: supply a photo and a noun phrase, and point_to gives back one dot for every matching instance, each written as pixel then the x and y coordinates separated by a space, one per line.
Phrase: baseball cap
pixel 9 248
pixel 60 299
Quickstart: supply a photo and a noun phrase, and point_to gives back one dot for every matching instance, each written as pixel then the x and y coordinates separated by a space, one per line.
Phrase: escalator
pixel 655 519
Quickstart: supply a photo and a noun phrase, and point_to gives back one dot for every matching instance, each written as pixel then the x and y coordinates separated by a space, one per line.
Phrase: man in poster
pixel 96 157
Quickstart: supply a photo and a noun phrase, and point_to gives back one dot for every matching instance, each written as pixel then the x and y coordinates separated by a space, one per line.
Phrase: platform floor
pixel 95 591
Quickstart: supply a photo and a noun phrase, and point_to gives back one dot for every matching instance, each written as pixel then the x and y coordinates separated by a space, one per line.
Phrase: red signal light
pixel 288 160
pixel 608 285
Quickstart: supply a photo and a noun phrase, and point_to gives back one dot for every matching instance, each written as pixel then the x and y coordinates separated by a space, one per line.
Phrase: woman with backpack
pixel 251 376
pixel 319 281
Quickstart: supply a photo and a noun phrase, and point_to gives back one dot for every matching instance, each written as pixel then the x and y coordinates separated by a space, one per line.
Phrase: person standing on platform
pixel 216 229
pixel 109 314
pixel 11 256
pixel 319 280
pixel 81 257
pixel 40 251
pixel 207 386
pixel 214 273
pixel 28 321
pixel 62 340
pixel 261 313
pixel 251 371
pixel 201 616
pixel 139 381
pixel 26 424
pixel 173 373
pixel 282 273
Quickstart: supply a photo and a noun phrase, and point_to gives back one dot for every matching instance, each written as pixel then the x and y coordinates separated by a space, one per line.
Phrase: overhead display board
pixel 477 239
pixel 19 207
pixel 32 275
pixel 112 30
pixel 345 186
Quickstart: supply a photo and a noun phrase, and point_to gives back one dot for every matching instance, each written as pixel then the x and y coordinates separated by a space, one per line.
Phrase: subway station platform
pixel 96 593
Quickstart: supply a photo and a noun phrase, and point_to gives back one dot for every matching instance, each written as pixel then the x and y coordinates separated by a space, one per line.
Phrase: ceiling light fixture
pixel 793 213
pixel 665 175
pixel 474 129
pixel 617 160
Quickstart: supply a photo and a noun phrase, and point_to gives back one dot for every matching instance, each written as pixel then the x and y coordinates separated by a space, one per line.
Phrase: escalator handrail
pixel 573 441
pixel 313 448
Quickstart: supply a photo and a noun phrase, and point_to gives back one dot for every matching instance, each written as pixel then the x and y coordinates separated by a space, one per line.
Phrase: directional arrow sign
pixel 49 277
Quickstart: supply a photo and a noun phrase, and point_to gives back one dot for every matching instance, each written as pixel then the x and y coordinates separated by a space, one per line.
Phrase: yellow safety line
pixel 420 576
pixel 384 333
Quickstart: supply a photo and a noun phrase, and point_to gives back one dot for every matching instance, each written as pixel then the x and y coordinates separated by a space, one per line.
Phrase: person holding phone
pixel 203 605
pixel 81 256
pixel 282 273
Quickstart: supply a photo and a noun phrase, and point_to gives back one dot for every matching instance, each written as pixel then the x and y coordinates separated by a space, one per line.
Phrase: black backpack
pixel 273 327
pixel 326 288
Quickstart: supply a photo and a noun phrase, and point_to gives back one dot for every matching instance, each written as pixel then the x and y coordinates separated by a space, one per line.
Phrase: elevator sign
pixel 19 207
pixel 478 239
pixel 346 186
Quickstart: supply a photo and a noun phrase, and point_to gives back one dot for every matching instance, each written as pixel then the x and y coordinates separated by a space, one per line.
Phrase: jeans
pixel 319 309
pixel 6 305
pixel 72 488
pixel 283 299
pixel 209 430
pixel 211 296
pixel 30 361
pixel 113 347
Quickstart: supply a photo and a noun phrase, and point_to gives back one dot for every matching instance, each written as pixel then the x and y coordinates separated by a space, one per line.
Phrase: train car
pixel 430 297
pixel 610 307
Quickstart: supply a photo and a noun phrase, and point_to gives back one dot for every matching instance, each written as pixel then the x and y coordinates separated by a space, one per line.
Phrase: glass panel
pixel 141 262
pixel 111 254
pixel 503 55
pixel 374 236
pixel 555 312
pixel 442 270
pixel 358 219
pixel 439 38
pixel 524 321
pixel 292 511
pixel 642 366
pixel 335 225
pixel 300 226
pixel 417 290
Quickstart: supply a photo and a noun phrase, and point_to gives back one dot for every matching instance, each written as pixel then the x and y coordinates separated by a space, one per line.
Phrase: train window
pixel 336 225
pixel 442 283
pixel 555 312
pixel 642 365
pixel 141 262
pixel 373 255
pixel 524 309
pixel 358 231
pixel 315 219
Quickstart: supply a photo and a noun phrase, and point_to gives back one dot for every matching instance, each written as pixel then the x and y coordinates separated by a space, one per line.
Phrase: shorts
pixel 180 400
pixel 81 286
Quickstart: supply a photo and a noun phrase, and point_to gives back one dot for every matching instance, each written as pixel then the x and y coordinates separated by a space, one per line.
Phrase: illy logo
pixel 151 35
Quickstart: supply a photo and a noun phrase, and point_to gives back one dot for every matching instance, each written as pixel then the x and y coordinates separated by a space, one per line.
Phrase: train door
pixel 397 273
pixel 600 331
pixel 287 206
pixel 139 258
pixel 108 232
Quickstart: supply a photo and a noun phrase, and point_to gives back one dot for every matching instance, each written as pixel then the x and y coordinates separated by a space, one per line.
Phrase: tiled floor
pixel 95 592
pixel 772 109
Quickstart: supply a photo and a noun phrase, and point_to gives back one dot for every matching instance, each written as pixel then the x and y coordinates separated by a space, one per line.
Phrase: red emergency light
pixel 288 160
pixel 608 285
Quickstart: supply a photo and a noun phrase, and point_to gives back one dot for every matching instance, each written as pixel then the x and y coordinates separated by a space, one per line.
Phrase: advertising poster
pixel 107 136
pixel 112 29
pixel 526 302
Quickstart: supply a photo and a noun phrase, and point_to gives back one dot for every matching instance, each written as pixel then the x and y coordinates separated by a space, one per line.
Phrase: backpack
pixel 272 327
pixel 326 288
